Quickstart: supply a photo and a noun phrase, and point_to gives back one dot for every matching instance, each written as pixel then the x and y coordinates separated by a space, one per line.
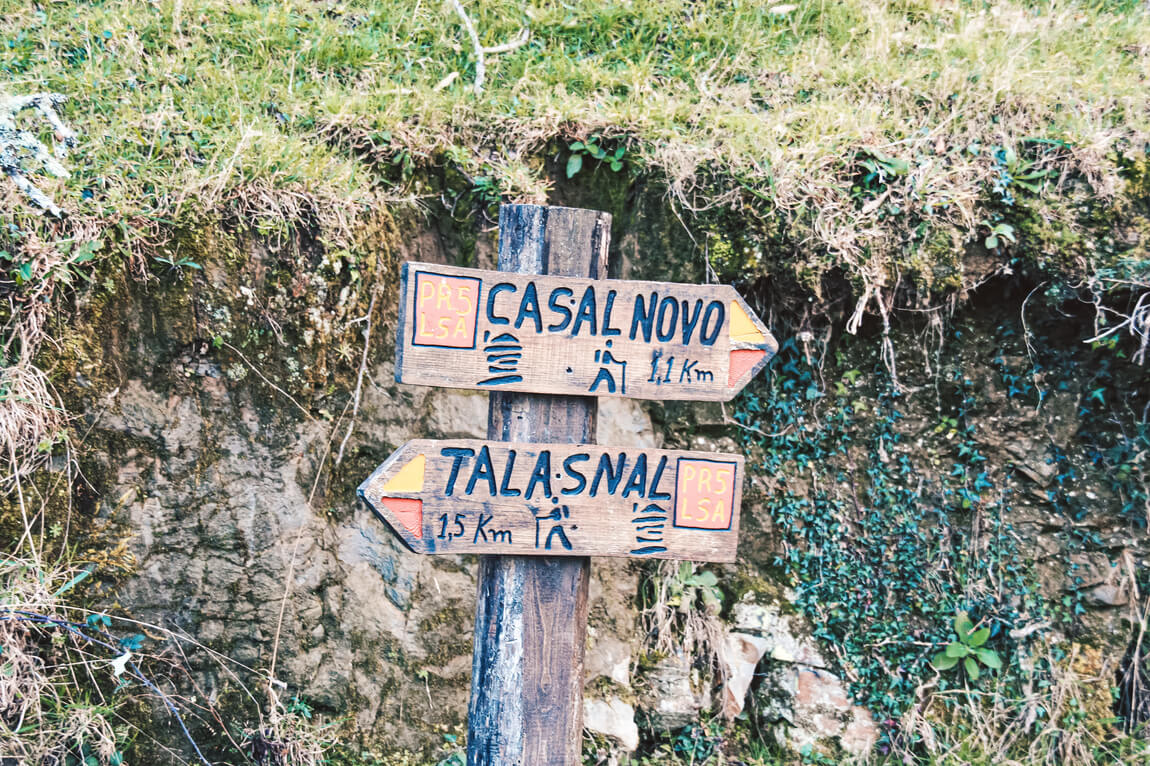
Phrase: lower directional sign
pixel 472 496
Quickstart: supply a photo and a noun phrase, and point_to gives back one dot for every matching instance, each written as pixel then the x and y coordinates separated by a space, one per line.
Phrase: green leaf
pixel 74 581
pixel 1006 231
pixel 616 165
pixel 132 643
pixel 971 668
pixel 989 658
pixel 957 649
pixel 706 578
pixel 942 662
pixel 978 638
pixel 94 621
pixel 963 626
pixel 577 146
pixel 574 164
pixel 87 251
pixel 991 242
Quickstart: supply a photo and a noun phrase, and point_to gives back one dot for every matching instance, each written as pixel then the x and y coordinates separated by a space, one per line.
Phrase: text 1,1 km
pixel 467 328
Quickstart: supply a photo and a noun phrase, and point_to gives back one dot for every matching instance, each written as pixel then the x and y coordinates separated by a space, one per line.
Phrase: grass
pixel 76 683
pixel 52 708
pixel 265 112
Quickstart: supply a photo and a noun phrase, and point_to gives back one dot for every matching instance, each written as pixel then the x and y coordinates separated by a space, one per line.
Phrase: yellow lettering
pixel 461 328
pixel 704 507
pixel 722 476
pixel 443 331
pixel 423 332
pixel 705 479
pixel 426 291
pixel 464 292
pixel 444 299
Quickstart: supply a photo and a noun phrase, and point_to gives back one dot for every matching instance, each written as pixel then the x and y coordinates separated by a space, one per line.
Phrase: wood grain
pixel 531 614
pixel 530 499
pixel 468 328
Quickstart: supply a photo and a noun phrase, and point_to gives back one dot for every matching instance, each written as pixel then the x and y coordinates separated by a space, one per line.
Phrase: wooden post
pixel 531 614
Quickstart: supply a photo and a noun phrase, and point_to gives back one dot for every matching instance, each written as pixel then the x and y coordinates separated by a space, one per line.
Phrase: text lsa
pixel 445 310
pixel 579 475
pixel 651 318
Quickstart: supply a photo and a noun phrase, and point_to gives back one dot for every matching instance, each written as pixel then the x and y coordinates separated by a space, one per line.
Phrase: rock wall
pixel 211 442
pixel 216 405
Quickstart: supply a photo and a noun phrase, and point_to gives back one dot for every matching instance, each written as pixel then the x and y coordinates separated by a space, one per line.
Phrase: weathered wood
pixel 467 328
pixel 531 614
pixel 488 497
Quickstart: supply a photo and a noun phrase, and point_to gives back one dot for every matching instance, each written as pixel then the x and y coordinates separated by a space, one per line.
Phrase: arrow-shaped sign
pixel 471 496
pixel 491 330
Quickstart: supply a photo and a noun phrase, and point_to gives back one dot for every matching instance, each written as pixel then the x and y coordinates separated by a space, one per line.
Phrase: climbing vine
pixel 882 558
pixel 892 522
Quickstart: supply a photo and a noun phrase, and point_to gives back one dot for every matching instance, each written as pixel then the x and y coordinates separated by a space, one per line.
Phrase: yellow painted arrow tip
pixel 742 328
pixel 409 478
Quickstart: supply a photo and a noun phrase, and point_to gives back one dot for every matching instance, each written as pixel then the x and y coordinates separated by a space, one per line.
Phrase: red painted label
pixel 704 494
pixel 446 310
pixel 409 512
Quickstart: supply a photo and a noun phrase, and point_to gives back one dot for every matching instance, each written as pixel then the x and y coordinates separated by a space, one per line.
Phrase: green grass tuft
pixel 268 112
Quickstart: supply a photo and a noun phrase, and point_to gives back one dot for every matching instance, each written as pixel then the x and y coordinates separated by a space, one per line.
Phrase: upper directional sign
pixel 470 496
pixel 466 328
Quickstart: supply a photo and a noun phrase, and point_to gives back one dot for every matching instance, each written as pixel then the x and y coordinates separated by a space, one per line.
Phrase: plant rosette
pixel 969 649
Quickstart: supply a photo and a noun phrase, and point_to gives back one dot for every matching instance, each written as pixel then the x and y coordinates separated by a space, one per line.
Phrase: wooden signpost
pixel 559 500
pixel 546 334
pixel 466 328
